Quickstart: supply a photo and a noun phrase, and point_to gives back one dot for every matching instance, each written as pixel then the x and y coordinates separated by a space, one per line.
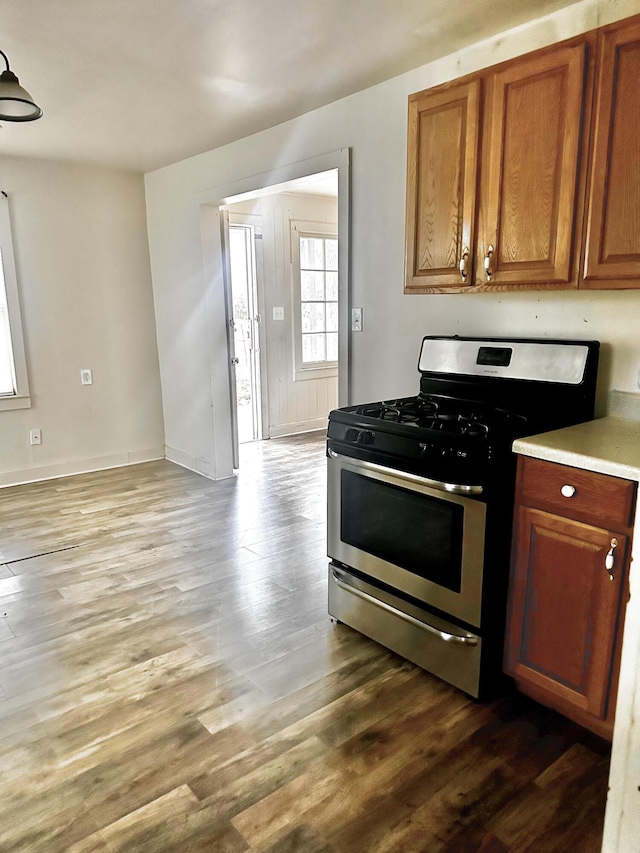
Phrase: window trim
pixel 301 228
pixel 21 399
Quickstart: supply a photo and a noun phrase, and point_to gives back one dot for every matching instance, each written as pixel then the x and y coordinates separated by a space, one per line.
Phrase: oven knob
pixel 365 437
pixel 351 434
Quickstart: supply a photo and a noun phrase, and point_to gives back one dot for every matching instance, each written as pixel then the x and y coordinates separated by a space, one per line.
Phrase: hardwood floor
pixel 170 681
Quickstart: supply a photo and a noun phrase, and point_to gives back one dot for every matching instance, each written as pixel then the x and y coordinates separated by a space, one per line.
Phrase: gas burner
pixel 462 418
pixel 409 410
pixel 475 429
pixel 399 412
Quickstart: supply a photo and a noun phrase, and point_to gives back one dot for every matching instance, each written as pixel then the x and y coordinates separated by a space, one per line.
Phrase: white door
pixel 243 324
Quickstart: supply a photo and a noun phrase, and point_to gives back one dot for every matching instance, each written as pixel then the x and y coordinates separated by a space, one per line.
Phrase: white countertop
pixel 608 445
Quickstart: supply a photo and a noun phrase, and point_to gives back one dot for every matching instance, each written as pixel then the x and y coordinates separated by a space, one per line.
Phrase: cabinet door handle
pixel 568 491
pixel 464 260
pixel 487 263
pixel 610 559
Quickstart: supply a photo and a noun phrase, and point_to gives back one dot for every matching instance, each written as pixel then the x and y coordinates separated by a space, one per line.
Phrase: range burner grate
pixel 453 417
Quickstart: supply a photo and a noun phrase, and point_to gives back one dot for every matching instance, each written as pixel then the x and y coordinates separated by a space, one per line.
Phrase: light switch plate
pixel 278 313
pixel 356 319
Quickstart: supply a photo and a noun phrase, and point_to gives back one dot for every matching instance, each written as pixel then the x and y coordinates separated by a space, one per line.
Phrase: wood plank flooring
pixel 170 681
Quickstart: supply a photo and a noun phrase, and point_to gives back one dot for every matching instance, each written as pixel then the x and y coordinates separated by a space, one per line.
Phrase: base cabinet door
pixel 568 590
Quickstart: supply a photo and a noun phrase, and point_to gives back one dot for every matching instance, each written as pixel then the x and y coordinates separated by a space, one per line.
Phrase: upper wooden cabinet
pixel 492 203
pixel 533 147
pixel 612 244
pixel 533 166
pixel 441 185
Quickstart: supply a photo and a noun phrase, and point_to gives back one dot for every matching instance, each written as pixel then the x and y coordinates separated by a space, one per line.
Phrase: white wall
pixel 382 358
pixel 301 405
pixel 82 262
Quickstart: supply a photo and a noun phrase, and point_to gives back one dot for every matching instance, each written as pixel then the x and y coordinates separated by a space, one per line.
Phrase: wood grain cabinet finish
pixel 568 589
pixel 441 185
pixel 533 157
pixel 535 166
pixel 612 243
pixel 492 173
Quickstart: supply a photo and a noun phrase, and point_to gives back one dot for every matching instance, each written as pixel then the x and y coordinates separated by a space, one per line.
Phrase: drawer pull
pixel 568 491
pixel 610 559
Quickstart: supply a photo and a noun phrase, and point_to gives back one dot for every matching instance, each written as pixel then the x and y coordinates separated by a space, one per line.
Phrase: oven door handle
pixel 452 488
pixel 466 640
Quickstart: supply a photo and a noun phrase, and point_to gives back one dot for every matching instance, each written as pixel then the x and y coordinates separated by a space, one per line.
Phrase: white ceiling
pixel 139 84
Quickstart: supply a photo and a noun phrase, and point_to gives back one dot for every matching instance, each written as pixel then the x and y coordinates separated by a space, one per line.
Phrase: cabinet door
pixel 529 200
pixel 564 609
pixel 442 167
pixel 612 254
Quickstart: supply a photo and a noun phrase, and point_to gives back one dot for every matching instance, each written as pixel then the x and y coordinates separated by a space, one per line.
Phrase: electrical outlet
pixel 86 377
pixel 356 319
pixel 35 436
pixel 278 313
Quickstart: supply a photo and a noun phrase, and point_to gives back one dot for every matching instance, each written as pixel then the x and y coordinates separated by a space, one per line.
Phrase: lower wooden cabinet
pixel 569 588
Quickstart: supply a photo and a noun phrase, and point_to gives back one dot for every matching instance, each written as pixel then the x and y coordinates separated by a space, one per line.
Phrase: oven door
pixel 410 533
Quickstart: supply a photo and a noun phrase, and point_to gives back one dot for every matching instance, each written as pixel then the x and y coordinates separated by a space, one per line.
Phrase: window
pixel 315 273
pixel 14 391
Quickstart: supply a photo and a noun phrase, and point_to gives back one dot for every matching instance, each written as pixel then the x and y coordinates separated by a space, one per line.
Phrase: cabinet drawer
pixel 574 493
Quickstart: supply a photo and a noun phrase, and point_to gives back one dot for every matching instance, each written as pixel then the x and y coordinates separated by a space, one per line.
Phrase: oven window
pixel 414 531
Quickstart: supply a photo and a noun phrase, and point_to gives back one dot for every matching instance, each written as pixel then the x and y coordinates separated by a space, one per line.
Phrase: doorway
pixel 282 297
pixel 245 323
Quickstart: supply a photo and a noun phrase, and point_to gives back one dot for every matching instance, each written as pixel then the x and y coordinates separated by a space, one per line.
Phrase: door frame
pixel 209 202
pixel 231 344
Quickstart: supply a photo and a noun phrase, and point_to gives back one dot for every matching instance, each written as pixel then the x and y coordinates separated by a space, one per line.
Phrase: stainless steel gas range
pixel 420 497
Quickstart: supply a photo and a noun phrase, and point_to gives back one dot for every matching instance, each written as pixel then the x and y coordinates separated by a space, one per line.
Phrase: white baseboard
pixel 199 466
pixel 79 466
pixel 301 426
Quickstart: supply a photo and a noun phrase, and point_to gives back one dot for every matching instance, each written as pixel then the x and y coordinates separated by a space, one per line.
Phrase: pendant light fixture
pixel 16 104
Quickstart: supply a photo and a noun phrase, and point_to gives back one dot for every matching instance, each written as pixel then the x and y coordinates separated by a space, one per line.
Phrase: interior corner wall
pixel 82 262
pixel 372 124
pixel 298 405
pixel 382 358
